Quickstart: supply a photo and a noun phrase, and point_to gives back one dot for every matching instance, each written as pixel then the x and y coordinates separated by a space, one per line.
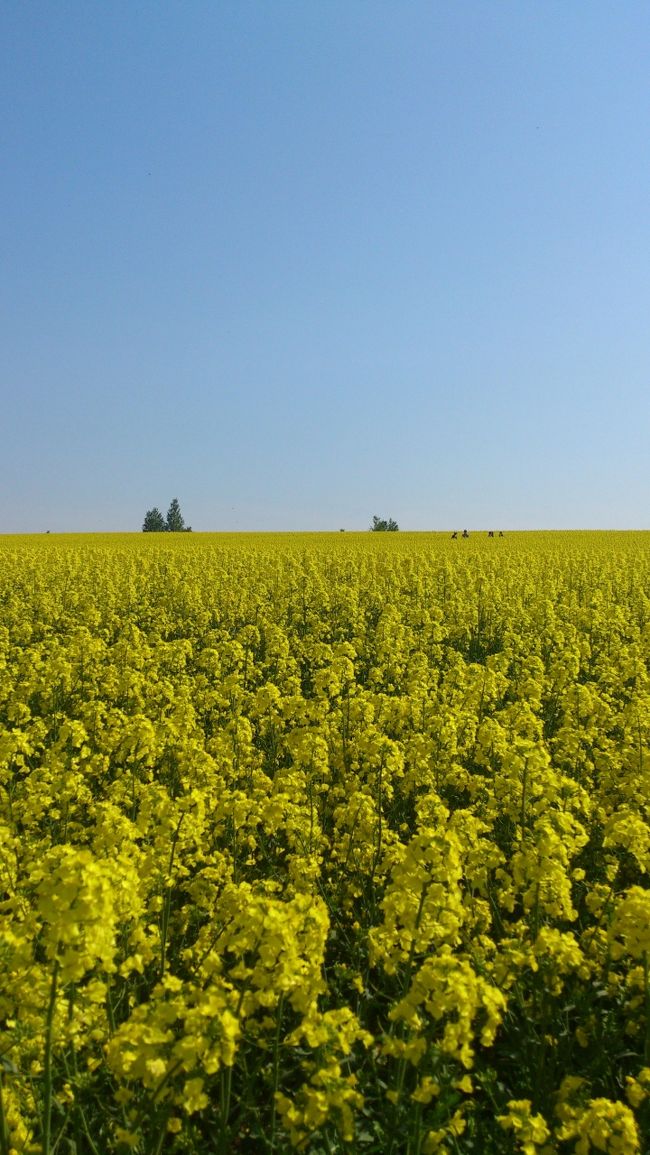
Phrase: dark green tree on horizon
pixel 154 521
pixel 383 525
pixel 175 522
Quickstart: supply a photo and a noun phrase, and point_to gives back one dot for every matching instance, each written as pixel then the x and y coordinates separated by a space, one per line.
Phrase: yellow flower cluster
pixel 325 842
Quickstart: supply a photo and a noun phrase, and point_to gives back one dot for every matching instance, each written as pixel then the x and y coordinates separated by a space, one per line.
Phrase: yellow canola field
pixel 325 842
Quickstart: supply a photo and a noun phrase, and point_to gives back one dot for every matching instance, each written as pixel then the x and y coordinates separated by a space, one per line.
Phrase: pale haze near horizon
pixel 298 265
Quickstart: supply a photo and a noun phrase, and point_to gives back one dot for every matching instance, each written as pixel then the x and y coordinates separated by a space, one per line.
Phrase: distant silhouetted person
pixel 465 533
pixel 500 533
pixel 490 533
pixel 454 535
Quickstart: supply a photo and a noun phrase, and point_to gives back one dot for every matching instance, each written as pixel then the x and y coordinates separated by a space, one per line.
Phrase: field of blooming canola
pixel 325 843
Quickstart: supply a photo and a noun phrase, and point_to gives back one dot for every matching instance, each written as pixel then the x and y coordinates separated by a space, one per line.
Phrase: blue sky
pixel 299 263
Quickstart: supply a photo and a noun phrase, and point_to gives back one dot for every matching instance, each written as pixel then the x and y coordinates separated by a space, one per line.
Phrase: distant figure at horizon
pixel 465 533
pixel 501 533
pixel 490 533
pixel 454 535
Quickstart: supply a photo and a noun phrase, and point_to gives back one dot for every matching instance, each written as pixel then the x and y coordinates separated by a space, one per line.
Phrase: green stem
pixel 55 1145
pixel 378 848
pixel 646 976
pixel 399 1087
pixel 47 1062
pixel 161 1134
pixel 167 904
pixel 276 1070
pixel 4 1137
pixel 401 1069
pixel 77 1104
pixel 417 1141
pixel 84 1124
pixel 523 798
pixel 226 1089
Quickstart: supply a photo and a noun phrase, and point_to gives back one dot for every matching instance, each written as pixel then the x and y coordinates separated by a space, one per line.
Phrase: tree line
pixel 384 525
pixel 154 522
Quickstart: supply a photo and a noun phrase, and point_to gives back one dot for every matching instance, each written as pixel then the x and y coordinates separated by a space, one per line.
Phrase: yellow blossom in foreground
pixel 325 841
pixel 530 1130
pixel 601 1125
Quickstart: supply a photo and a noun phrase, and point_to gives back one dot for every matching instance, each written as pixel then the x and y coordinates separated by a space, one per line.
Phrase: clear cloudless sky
pixel 299 263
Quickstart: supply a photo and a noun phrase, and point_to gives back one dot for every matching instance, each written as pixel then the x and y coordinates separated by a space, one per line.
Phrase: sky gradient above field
pixel 302 263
